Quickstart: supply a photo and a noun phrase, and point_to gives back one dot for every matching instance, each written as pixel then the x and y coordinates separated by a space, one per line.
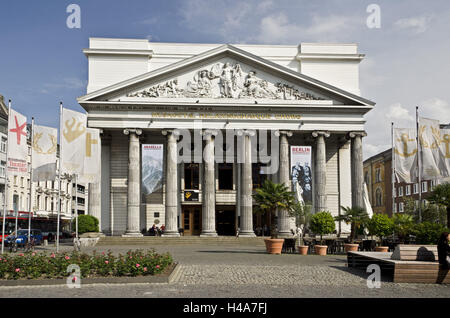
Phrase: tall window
pixel 379 197
pixel 378 175
pixel 424 186
pixel 400 207
pixel 416 188
pixel 191 176
pixel 225 176
pixel 400 191
pixel 3 145
pixel 408 190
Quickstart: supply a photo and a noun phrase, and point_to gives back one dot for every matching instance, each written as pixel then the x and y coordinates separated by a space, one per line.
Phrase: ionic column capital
pixel 286 133
pixel 246 132
pixel 174 132
pixel 209 133
pixel 321 133
pixel 136 131
pixel 354 134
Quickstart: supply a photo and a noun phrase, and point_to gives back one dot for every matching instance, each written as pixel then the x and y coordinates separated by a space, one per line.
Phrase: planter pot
pixel 351 247
pixel 321 249
pixel 382 249
pixel 274 246
pixel 303 249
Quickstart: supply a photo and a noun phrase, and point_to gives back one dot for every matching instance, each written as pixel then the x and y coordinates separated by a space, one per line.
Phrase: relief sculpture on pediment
pixel 225 80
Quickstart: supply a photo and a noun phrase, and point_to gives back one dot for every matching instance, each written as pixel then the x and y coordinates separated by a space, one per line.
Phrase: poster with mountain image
pixel 152 168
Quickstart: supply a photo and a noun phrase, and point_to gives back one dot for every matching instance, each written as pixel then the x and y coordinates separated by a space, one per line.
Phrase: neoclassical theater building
pixel 223 118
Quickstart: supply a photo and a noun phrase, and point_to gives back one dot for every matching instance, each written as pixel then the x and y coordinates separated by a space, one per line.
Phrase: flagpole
pixel 419 156
pixel 17 211
pixel 30 205
pixel 393 168
pixel 76 207
pixel 5 196
pixel 59 176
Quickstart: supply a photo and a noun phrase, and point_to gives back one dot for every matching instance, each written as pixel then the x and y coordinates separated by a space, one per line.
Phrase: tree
pixel 86 223
pixel 322 223
pixel 441 196
pixel 355 216
pixel 380 225
pixel 271 197
pixel 403 224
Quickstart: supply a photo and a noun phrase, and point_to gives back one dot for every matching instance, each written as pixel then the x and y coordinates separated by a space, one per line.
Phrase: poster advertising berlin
pixel 152 168
pixel 301 172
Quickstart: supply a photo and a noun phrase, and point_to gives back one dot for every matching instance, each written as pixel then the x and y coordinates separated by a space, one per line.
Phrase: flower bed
pixel 41 265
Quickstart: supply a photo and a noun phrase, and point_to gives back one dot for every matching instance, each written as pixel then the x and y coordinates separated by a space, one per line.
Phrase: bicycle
pixel 29 246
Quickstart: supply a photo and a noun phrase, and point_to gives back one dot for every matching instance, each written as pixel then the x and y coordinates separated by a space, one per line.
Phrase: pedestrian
pixel 444 250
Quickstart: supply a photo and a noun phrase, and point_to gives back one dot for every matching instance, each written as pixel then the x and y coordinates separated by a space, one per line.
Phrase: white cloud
pixel 416 24
pixel 398 113
pixel 435 108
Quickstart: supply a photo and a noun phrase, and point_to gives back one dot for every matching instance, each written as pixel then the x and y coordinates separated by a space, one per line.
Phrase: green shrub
pixel 428 233
pixel 322 223
pixel 40 265
pixel 403 225
pixel 86 223
pixel 380 225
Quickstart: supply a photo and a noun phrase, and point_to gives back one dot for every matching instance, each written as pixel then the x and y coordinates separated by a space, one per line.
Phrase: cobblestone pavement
pixel 243 271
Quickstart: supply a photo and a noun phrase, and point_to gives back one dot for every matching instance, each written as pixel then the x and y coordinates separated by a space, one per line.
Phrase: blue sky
pixel 407 59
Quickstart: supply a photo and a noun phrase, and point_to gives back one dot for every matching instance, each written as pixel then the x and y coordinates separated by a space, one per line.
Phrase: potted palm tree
pixel 302 214
pixel 357 217
pixel 322 223
pixel 269 198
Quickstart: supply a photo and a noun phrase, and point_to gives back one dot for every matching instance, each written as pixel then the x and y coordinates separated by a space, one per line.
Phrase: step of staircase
pixel 183 240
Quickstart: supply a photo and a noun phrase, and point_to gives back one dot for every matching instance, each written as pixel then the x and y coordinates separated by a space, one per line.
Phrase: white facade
pixel 140 88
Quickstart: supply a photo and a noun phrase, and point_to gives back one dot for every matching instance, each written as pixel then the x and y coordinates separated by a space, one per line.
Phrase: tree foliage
pixel 322 223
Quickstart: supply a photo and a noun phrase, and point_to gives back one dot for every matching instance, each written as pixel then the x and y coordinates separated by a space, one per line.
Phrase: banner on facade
pixel 44 148
pixel 152 168
pixel 405 154
pixel 301 172
pixel 73 133
pixel 17 143
pixel 432 155
pixel 445 149
pixel 92 159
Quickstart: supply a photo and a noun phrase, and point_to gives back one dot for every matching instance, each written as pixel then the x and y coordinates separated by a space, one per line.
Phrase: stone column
pixel 246 228
pixel 357 168
pixel 209 189
pixel 320 167
pixel 171 184
pixel 283 216
pixel 134 184
pixel 94 202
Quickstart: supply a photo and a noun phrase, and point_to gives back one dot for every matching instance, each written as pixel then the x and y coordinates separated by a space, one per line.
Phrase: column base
pixel 209 234
pixel 171 234
pixel 285 235
pixel 247 234
pixel 132 234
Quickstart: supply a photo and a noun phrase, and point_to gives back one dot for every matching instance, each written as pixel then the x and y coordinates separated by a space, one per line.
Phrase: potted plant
pixel 356 217
pixel 269 198
pixel 322 223
pixel 302 214
pixel 380 225
pixel 403 224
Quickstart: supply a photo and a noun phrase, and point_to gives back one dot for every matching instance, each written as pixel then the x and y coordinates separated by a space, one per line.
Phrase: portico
pixel 220 115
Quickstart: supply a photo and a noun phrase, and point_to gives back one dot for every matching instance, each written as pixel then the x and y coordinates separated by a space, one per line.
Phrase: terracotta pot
pixel 381 248
pixel 351 247
pixel 303 249
pixel 274 246
pixel 321 249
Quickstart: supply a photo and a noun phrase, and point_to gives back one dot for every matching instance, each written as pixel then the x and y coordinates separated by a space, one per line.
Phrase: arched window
pixel 378 197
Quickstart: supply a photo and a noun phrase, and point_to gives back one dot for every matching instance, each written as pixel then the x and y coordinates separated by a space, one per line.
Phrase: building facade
pixel 225 116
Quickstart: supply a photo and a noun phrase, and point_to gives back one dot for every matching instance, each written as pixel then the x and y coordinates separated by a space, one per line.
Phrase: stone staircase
pixel 183 240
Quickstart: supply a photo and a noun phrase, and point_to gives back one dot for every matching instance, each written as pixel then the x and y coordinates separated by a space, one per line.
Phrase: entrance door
pixel 226 220
pixel 192 220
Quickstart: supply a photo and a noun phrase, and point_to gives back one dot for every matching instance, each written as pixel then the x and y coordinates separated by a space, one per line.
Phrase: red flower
pixel 52 256
pixel 157 266
pixel 137 265
pixel 145 269
pixel 67 257
pixel 20 254
pixel 106 262
pixel 17 270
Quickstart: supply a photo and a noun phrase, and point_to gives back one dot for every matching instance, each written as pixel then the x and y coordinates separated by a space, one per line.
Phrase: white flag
pixel 73 132
pixel 44 148
pixel 17 143
pixel 405 152
pixel 92 172
pixel 445 150
pixel 432 162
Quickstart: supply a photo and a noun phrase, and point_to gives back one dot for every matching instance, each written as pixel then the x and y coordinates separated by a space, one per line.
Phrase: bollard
pixel 45 242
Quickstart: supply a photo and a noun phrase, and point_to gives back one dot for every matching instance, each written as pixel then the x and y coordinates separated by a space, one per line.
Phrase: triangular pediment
pixel 223 74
